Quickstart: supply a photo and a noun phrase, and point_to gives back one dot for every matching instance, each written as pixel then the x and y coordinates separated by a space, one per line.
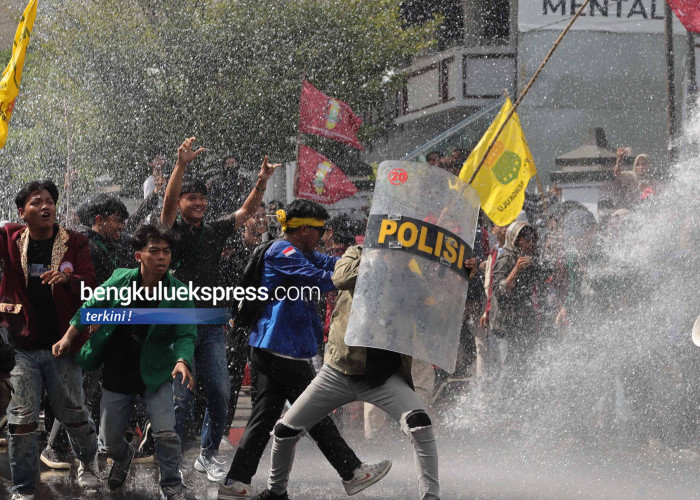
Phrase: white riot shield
pixel 412 284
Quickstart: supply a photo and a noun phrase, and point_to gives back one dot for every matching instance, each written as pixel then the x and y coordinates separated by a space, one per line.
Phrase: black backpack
pixel 247 313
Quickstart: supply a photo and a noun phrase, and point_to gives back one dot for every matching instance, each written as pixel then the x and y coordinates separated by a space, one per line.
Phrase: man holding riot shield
pixel 376 376
pixel 404 298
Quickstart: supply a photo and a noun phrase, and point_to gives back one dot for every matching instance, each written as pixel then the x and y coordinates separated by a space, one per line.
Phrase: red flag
pixel 688 12
pixel 318 179
pixel 328 117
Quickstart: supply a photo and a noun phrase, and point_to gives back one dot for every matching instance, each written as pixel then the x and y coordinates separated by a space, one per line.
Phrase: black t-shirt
pixel 108 255
pixel 40 296
pixel 197 256
pixel 238 254
pixel 122 360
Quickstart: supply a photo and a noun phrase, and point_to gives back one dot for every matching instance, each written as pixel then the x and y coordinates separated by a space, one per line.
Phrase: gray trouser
pixel 331 389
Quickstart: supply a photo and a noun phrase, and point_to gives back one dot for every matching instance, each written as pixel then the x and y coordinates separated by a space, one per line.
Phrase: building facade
pixel 609 72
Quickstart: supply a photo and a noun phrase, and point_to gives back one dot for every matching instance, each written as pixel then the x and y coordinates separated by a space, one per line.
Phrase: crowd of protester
pixel 526 280
pixel 534 284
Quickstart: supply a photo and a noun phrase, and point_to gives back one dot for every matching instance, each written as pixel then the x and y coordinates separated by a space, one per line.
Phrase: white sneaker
pixel 226 445
pixel 88 474
pixel 214 467
pixel 20 496
pixel 234 490
pixel 365 476
pixel 182 479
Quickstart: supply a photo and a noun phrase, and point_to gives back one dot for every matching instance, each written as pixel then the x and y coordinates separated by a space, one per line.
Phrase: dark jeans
pixel 210 367
pixel 61 378
pixel 116 410
pixel 236 357
pixel 92 387
pixel 276 380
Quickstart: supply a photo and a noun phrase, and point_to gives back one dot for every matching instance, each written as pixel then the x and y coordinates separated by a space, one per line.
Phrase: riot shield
pixel 412 284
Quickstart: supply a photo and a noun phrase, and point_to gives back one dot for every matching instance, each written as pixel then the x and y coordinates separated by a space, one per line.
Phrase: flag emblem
pixel 319 179
pixel 507 164
pixel 289 251
pixel 323 115
pixel 322 171
pixel 333 114
pixel 508 167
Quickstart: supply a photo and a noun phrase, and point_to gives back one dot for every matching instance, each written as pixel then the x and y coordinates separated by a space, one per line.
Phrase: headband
pixel 295 222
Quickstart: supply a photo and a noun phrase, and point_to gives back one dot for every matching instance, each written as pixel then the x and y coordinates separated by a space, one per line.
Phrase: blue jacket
pixel 292 327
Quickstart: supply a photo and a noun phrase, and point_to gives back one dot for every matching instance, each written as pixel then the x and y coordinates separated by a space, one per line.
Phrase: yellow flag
pixel 502 180
pixel 9 85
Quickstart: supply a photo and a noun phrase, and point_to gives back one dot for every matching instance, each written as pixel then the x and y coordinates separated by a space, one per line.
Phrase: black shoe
pixel 268 495
pixel 56 459
pixel 118 473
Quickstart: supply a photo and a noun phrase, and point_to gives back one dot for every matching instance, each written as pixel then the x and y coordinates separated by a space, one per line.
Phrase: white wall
pixel 595 79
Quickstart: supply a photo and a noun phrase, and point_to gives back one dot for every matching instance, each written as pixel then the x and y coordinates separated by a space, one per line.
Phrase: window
pixel 450 32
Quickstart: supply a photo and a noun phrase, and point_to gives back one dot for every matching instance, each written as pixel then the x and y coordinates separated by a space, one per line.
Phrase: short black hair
pixel 146 232
pixel 439 155
pixel 104 205
pixel 305 209
pixel 226 157
pixel 606 203
pixel 152 152
pixel 33 187
pixel 344 229
pixel 193 185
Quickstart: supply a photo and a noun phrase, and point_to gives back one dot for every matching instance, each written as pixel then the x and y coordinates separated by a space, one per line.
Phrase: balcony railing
pixel 456 77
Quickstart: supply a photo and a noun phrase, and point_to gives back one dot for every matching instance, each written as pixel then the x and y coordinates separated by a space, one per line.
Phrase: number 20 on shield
pixel 398 176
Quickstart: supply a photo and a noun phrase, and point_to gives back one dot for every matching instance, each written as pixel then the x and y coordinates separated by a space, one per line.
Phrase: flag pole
pixel 68 181
pixel 692 79
pixel 670 87
pixel 537 178
pixel 296 170
pixel 528 87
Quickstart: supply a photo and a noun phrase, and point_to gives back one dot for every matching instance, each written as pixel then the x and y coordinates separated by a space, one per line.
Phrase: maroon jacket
pixel 71 255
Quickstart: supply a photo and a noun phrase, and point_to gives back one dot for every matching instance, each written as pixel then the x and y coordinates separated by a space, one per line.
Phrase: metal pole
pixel 692 75
pixel 296 168
pixel 68 181
pixel 670 85
pixel 529 86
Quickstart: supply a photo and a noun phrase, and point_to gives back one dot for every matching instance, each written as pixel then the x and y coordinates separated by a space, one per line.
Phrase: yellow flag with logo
pixel 11 77
pixel 502 180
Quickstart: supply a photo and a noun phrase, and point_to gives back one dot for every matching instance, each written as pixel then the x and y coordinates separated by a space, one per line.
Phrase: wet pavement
pixel 471 467
pixel 494 463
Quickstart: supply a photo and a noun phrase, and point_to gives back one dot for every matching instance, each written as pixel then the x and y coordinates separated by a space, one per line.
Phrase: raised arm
pixel 146 207
pixel 621 154
pixel 252 202
pixel 347 268
pixel 185 156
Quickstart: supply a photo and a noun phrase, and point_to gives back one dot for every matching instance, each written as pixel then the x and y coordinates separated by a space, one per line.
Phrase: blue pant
pixel 211 367
pixel 62 379
pixel 116 410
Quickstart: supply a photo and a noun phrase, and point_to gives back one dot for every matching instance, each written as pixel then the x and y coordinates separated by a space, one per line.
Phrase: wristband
pixel 259 188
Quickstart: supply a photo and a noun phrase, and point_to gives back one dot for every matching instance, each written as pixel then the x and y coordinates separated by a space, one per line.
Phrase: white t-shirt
pixel 149 185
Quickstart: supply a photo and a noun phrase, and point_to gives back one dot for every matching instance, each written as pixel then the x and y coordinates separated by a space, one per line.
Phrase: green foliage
pixel 113 82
